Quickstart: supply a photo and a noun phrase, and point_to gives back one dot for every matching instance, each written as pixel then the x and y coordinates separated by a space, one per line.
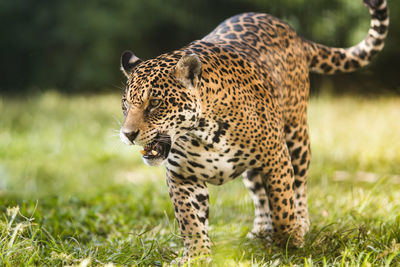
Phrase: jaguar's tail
pixel 330 60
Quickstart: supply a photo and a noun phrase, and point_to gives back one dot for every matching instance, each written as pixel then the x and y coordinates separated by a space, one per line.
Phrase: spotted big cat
pixel 232 104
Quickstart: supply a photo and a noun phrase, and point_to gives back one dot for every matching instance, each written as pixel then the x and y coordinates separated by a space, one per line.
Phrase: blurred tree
pixel 74 46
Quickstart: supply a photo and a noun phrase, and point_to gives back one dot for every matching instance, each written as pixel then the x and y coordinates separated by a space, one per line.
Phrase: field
pixel 72 194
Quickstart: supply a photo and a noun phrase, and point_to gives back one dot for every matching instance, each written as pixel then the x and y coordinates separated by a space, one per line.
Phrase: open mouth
pixel 158 149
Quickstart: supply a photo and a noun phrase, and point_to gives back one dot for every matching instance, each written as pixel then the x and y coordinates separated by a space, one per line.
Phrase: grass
pixel 72 194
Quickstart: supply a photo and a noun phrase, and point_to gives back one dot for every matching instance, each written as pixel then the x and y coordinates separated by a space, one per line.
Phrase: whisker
pixel 117 120
pixel 122 87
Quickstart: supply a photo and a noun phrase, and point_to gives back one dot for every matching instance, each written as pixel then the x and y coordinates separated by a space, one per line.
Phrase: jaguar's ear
pixel 188 70
pixel 128 62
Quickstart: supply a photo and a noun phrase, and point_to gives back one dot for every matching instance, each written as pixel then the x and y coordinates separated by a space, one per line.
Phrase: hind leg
pixel 298 144
pixel 262 221
pixel 273 193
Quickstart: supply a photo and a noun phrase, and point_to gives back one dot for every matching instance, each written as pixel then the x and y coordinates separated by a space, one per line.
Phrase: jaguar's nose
pixel 131 135
pixel 128 137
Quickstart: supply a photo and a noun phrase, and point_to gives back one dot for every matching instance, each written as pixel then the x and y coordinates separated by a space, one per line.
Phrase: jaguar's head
pixel 161 101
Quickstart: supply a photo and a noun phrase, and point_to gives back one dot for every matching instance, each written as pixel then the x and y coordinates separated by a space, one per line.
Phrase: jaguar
pixel 231 104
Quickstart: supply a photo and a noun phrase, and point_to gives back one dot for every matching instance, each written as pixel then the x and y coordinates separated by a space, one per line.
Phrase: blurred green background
pixel 74 46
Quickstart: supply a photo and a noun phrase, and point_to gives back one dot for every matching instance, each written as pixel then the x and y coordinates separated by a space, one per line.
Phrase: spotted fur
pixel 235 103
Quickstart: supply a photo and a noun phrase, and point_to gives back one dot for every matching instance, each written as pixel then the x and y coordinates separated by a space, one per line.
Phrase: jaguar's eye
pixel 154 103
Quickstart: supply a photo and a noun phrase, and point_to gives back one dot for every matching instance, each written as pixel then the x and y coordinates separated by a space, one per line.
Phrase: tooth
pixel 143 152
pixel 154 153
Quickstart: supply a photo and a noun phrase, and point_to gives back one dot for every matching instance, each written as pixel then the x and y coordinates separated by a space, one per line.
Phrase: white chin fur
pixel 153 162
pixel 124 139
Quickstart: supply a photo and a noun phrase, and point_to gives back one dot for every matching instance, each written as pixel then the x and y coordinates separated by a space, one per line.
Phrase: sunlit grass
pixel 85 198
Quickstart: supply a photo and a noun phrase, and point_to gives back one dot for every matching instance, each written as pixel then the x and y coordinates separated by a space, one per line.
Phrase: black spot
pixel 202 122
pixel 295 169
pixel 303 157
pixel 381 29
pixel 220 131
pixel 355 63
pixel 195 164
pixel 248 19
pixel 193 154
pixel 237 28
pixel 216 49
pixel 270 205
pixel 380 14
pixel 176 151
pixel 376 42
pixel 223 57
pixel 205 175
pixel 297 183
pixel 172 100
pixel 177 175
pixel 231 36
pixel 195 143
pixel 314 61
pixel 257 186
pixel 224 29
pixel 296 153
pixel 289 144
pixel 195 205
pixel 173 163
pixel 201 197
pixel 238 153
pixel 193 178
pixel 202 219
pixel 233 55
pixel 325 67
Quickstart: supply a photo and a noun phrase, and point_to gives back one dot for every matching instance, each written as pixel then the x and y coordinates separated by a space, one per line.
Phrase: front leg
pixel 190 199
pixel 281 197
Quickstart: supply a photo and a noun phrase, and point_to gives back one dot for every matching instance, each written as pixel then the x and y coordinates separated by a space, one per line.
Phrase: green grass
pixel 72 194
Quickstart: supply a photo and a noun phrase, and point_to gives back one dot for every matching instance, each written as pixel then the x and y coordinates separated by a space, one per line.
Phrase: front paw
pixel 292 239
pixel 262 233
pixel 188 261
pixel 180 261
